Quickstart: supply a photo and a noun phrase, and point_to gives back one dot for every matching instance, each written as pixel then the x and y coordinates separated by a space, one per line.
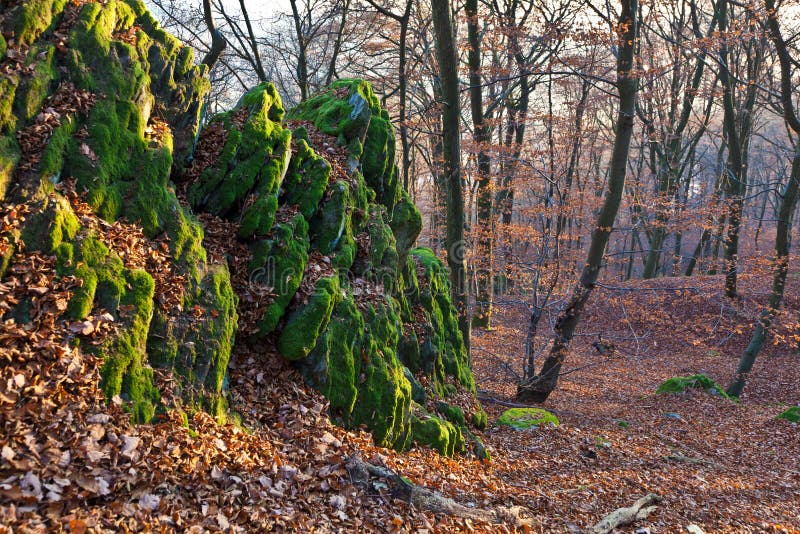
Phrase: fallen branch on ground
pixel 623 516
pixel 363 474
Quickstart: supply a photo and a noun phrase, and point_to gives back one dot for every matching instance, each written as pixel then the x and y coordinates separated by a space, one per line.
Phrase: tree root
pixel 623 516
pixel 370 477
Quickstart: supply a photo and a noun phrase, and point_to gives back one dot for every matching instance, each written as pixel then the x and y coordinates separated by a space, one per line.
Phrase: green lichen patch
pixel 680 384
pixel 792 414
pixel 523 418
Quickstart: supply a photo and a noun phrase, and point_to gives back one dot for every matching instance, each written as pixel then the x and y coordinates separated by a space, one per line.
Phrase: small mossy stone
pixel 49 227
pixel 680 384
pixel 792 415
pixel 523 418
pixel 438 434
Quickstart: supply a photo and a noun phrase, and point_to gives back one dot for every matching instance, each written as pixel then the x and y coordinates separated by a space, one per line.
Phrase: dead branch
pixel 623 516
pixel 363 474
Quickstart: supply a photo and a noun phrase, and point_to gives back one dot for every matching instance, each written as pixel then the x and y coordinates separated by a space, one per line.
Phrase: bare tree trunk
pixel 337 45
pixel 451 143
pixel 405 142
pixel 484 229
pixel 302 60
pixel 540 387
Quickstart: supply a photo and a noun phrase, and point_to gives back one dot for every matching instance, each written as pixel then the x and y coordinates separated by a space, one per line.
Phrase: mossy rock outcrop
pixel 126 71
pixel 312 192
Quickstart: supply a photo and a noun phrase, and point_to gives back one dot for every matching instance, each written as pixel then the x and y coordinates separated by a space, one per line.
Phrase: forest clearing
pixel 399 266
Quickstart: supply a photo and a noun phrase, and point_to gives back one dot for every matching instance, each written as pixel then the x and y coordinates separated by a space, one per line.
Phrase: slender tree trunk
pixel 540 387
pixel 484 229
pixel 218 42
pixel 337 44
pixel 302 59
pixel 451 143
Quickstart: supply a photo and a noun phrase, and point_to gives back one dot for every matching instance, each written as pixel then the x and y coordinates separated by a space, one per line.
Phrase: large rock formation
pixel 288 231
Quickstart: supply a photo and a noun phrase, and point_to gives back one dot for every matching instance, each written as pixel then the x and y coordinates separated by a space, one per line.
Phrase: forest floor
pixel 724 466
pixel 70 461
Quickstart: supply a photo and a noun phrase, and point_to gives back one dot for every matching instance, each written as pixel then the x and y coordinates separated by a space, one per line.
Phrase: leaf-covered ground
pixel 724 466
pixel 72 461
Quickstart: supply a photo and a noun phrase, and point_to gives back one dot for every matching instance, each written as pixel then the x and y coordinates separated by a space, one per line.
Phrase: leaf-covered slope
pixel 294 233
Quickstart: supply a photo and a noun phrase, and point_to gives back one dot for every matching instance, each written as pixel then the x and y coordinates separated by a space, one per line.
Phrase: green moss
pixel 522 418
pixel 34 88
pixel 124 372
pixel 454 414
pixel 332 221
pixel 480 419
pixel 213 353
pixel 80 305
pixel 382 251
pixel 54 223
pixel 679 384
pixel 8 92
pixel 384 394
pixel 406 223
pixel 443 352
pixel 347 117
pixel 279 263
pixel 305 324
pixel 258 218
pixel 306 179
pixel 3 47
pixel 9 156
pixel 334 365
pixel 792 414
pixel 34 17
pixel 378 161
pixel 418 393
pixel 253 163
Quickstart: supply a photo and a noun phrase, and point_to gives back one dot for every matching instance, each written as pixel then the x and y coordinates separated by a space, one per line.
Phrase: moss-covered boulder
pixel 524 418
pixel 317 233
pixel 680 384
